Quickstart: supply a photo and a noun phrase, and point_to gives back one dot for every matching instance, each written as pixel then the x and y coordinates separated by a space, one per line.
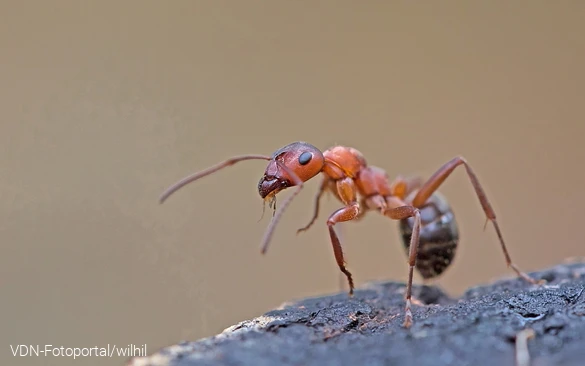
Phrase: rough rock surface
pixel 477 329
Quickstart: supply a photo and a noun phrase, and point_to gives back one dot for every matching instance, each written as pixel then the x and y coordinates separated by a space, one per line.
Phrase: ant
pixel 428 228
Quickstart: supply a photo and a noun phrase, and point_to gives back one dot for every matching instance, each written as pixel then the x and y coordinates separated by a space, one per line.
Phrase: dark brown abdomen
pixel 439 236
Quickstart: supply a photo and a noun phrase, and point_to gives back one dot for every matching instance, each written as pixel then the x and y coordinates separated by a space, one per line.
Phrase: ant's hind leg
pixel 433 183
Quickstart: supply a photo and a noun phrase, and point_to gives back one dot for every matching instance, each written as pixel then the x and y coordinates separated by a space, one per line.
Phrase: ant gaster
pixel 427 224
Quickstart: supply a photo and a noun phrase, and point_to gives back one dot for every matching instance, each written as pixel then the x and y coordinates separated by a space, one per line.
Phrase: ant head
pixel 290 165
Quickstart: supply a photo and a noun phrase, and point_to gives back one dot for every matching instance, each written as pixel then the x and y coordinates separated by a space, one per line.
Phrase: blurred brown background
pixel 105 104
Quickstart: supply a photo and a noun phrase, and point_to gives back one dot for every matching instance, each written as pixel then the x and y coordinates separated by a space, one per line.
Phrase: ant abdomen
pixel 439 236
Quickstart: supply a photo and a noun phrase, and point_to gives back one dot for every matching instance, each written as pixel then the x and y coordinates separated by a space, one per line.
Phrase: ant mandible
pixel 423 213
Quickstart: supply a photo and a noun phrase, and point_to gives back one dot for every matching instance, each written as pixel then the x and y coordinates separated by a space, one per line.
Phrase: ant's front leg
pixel 347 192
pixel 322 188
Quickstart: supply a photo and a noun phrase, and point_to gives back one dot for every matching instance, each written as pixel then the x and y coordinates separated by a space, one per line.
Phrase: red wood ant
pixel 423 213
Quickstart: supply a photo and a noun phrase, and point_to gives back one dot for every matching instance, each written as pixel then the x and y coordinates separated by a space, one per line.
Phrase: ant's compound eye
pixel 305 158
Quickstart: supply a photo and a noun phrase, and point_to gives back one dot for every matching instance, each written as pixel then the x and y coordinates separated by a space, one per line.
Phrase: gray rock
pixel 477 329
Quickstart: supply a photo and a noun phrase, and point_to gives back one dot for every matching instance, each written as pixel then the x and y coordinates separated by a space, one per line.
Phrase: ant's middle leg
pixel 396 209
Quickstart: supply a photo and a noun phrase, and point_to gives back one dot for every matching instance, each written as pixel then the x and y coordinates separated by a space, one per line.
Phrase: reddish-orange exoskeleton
pixel 429 231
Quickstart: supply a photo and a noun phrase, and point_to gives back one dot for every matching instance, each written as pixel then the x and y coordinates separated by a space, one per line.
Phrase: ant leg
pixel 347 192
pixel 322 188
pixel 433 183
pixel 276 217
pixel 398 210
pixel 342 283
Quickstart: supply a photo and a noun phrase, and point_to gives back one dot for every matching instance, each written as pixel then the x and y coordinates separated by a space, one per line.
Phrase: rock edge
pixel 479 328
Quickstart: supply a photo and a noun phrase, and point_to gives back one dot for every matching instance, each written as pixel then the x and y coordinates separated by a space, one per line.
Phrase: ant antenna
pixel 193 177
